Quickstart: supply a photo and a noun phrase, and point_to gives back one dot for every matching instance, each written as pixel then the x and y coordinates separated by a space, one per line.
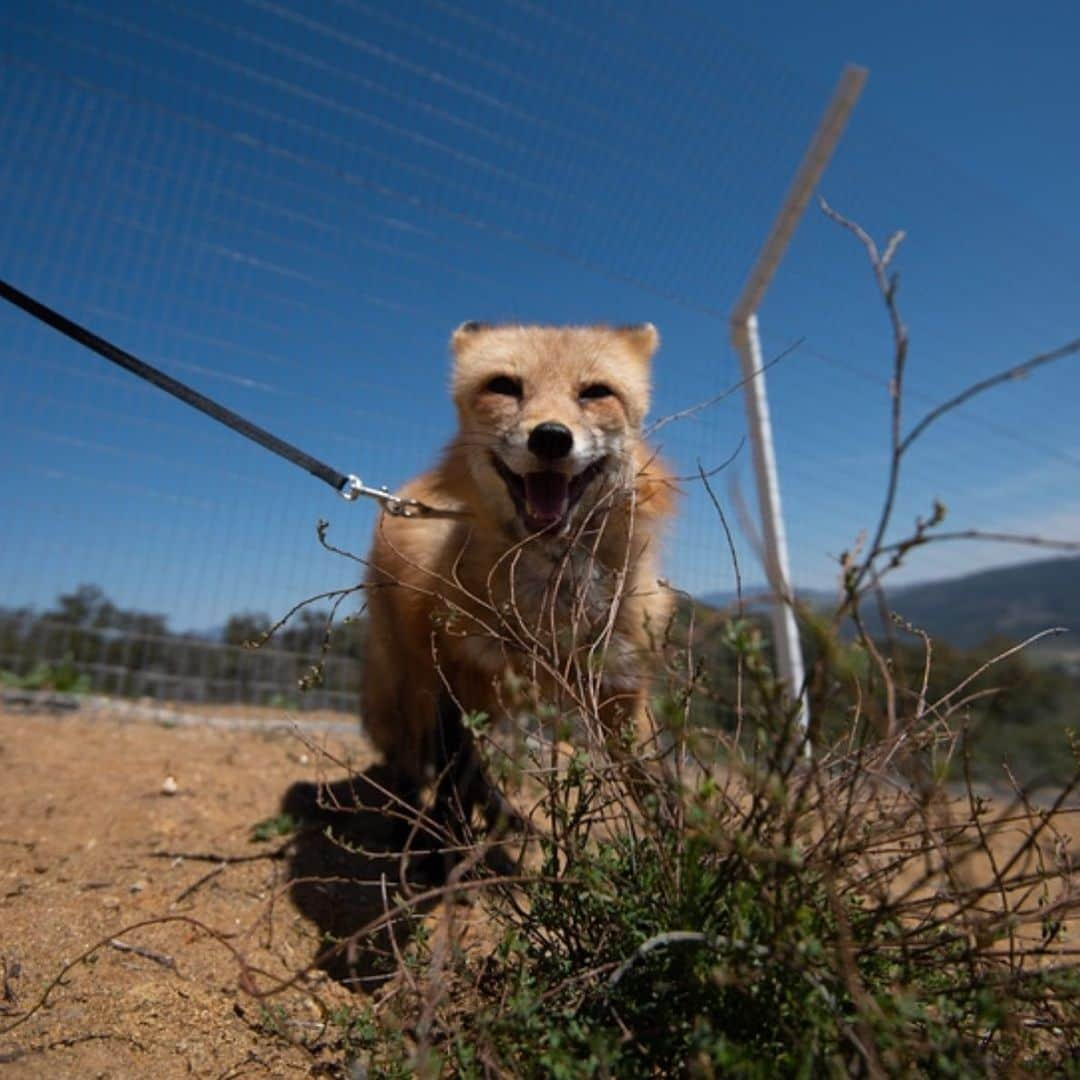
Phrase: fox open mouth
pixel 543 499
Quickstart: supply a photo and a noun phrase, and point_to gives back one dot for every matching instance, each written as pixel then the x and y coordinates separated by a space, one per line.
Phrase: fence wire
pixel 291 208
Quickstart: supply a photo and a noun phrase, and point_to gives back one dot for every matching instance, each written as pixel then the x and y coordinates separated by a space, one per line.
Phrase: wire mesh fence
pixel 135 655
pixel 40 653
pixel 291 208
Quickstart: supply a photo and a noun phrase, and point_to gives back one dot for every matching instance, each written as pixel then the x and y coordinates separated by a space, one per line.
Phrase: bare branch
pixel 139 950
pixel 1018 371
pixel 659 941
pixel 727 533
pixel 980 534
pixel 887 287
pixel 716 468
pixel 682 414
pixel 1053 631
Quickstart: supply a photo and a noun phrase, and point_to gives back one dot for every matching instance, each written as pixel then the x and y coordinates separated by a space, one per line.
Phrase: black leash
pixel 348 486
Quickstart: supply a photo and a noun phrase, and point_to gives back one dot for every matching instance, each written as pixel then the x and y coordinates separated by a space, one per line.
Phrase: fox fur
pixel 550 577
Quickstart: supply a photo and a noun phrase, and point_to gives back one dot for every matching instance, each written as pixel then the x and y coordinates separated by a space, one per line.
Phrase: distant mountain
pixel 1010 602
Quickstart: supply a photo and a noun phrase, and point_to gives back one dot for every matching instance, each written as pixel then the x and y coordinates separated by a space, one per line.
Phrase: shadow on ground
pixel 346 868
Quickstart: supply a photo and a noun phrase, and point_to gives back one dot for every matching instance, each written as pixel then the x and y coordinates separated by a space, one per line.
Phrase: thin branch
pixel 980 534
pixel 1053 631
pixel 887 287
pixel 195 886
pixel 101 943
pixel 1018 371
pixel 691 410
pixel 139 950
pixel 727 533
pixel 659 941
pixel 715 469
pixel 216 857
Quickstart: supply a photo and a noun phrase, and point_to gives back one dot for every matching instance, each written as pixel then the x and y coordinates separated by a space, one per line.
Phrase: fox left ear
pixel 643 338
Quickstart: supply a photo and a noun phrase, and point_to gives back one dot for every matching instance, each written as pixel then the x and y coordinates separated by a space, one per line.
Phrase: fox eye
pixel 596 390
pixel 504 384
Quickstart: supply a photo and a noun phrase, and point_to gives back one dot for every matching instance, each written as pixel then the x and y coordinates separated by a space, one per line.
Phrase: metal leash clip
pixel 394 505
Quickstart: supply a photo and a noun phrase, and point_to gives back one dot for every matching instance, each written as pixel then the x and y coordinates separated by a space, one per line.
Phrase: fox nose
pixel 551 441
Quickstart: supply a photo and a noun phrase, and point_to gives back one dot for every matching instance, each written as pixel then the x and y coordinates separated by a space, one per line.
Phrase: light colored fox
pixel 549 580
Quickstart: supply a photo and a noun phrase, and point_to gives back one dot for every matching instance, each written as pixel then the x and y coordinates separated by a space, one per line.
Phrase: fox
pixel 543 569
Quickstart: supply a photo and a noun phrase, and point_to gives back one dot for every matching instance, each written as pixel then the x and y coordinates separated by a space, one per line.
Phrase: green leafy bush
pixel 63 677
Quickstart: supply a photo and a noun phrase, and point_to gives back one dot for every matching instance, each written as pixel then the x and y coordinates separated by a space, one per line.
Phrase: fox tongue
pixel 547 495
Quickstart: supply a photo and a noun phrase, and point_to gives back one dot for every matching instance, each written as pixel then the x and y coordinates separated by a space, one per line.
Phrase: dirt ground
pixel 137 910
pixel 109 817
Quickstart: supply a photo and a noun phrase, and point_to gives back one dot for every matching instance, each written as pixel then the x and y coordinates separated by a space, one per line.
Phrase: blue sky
pixel 292 208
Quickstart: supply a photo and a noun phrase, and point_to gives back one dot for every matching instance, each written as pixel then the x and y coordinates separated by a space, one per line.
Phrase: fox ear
pixel 466 333
pixel 643 338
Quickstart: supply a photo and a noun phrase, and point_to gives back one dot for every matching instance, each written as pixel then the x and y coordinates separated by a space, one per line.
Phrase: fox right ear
pixel 465 333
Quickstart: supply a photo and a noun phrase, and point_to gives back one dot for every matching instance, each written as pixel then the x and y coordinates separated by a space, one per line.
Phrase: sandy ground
pixel 118 814
pixel 112 817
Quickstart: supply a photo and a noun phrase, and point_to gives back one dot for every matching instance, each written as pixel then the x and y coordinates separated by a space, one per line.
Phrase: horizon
pixel 756 591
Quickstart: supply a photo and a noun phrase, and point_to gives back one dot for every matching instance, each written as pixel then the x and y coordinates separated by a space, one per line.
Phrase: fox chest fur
pixel 541 609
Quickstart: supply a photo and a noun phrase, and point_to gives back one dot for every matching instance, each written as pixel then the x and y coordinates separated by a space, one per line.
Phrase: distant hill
pixel 1012 602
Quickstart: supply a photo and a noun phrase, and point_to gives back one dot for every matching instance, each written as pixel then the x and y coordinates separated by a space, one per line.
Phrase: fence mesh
pixel 291 209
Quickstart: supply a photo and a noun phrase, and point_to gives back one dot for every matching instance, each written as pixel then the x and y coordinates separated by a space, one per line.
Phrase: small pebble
pixel 170 787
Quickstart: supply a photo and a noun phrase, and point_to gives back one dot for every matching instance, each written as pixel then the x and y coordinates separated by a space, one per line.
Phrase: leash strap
pixel 349 487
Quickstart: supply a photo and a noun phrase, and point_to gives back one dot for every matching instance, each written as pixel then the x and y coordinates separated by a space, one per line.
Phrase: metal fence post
pixel 744 337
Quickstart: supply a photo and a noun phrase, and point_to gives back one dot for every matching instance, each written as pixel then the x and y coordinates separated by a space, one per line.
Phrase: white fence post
pixel 744 337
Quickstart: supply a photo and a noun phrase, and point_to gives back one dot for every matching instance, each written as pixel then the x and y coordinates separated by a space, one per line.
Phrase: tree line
pixel 1022 710
pixel 84 641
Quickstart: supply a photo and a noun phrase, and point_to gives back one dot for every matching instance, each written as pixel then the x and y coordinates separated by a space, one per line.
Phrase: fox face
pixel 550 417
